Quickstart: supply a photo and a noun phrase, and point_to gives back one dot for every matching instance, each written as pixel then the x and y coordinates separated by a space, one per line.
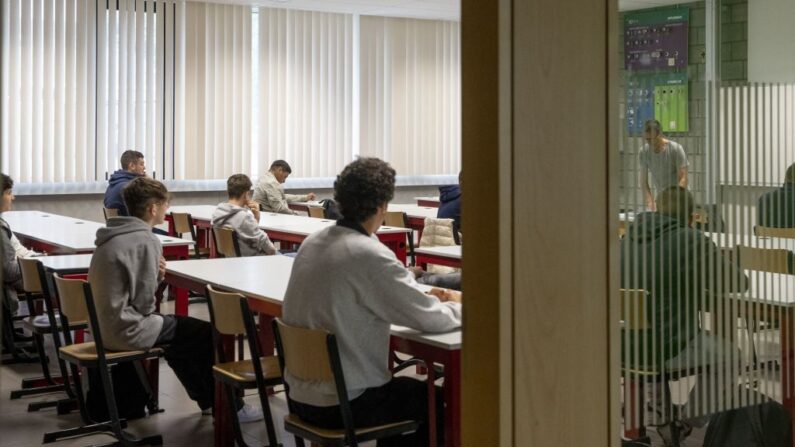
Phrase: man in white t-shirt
pixel 664 159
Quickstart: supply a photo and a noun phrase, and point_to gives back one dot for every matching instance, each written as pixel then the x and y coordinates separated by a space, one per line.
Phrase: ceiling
pixel 419 9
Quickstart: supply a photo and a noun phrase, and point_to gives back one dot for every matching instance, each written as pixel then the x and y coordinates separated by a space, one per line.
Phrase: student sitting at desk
pixel 125 271
pixel 133 166
pixel 364 290
pixel 450 203
pixel 242 215
pixel 776 209
pixel 270 190
pixel 12 277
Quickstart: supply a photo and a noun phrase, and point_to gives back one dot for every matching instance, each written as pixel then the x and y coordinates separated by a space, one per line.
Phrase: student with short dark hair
pixel 270 190
pixel 366 289
pixel 133 166
pixel 12 276
pixel 125 270
pixel 776 209
pixel 242 215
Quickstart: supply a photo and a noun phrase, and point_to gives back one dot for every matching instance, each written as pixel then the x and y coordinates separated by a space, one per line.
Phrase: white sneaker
pixel 249 414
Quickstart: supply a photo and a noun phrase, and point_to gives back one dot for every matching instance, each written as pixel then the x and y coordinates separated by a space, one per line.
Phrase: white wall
pixel 771 41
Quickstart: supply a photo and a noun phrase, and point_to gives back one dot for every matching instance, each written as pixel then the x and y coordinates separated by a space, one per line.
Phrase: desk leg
pixel 788 364
pixel 181 302
pixel 634 401
pixel 267 341
pixel 452 400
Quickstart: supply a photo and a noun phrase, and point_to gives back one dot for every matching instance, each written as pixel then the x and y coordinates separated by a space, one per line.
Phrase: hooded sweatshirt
pixel 675 264
pixel 450 204
pixel 123 277
pixel 113 195
pixel 777 208
pixel 253 241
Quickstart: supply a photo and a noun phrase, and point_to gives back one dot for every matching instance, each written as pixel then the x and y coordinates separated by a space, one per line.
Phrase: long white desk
pixel 730 240
pixel 294 229
pixel 263 280
pixel 56 234
pixel 449 255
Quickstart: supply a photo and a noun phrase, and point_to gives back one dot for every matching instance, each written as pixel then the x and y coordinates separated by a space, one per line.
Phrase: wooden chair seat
pixel 294 424
pixel 86 354
pixel 242 371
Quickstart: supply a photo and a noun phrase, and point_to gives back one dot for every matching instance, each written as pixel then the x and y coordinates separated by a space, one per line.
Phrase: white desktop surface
pixel 769 288
pixel 66 232
pixel 729 240
pixel 428 199
pixel 66 262
pixel 266 278
pixel 447 251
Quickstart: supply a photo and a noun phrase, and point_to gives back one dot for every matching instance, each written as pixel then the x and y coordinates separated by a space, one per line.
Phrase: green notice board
pixel 671 103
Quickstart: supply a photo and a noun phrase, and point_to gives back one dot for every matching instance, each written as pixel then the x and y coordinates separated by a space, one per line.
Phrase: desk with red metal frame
pixel 293 229
pixel 416 215
pixel 433 202
pixel 448 255
pixel 263 279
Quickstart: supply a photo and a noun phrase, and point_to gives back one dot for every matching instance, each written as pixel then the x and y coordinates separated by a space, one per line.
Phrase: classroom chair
pixel 183 223
pixel 16 346
pixel 317 211
pixel 34 282
pixel 635 312
pixel 772 260
pixel 399 219
pixel 788 233
pixel 313 355
pixel 109 212
pixel 226 243
pixel 258 372
pixel 77 304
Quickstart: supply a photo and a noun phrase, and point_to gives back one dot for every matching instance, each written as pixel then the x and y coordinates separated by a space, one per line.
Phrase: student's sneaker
pixel 249 414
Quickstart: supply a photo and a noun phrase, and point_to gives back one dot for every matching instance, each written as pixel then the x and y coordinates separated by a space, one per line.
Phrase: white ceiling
pixel 419 9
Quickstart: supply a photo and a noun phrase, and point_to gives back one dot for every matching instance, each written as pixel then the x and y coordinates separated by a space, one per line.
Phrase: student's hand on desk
pixel 161 269
pixel 446 295
pixel 311 196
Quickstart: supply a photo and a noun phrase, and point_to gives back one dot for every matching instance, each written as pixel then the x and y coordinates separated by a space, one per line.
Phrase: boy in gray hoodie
pixel 242 214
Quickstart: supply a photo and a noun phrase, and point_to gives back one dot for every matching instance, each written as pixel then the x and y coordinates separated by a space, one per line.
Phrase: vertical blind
pixel 206 90
pixel 305 90
pixel 410 93
pixel 213 139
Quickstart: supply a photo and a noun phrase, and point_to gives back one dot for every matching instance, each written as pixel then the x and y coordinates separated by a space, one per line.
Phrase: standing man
pixel 270 190
pixel 132 166
pixel 776 209
pixel 666 161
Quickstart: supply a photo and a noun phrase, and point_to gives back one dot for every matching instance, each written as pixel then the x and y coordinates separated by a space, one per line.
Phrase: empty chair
pixel 226 243
pixel 313 355
pixel 183 223
pixel 109 212
pixel 77 304
pixel 772 260
pixel 236 375
pixel 317 211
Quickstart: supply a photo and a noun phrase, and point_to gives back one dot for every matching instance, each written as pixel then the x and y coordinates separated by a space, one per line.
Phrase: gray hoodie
pixel 253 240
pixel 123 277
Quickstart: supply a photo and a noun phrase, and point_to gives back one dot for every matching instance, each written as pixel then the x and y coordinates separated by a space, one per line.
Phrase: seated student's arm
pixel 299 197
pixel 275 200
pixel 20 250
pixel 398 299
pixel 11 272
pixel 251 234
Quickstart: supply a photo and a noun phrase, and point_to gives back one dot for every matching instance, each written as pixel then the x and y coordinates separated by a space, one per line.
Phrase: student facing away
pixel 242 215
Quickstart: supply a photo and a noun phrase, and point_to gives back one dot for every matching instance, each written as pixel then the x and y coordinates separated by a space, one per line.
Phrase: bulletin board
pixel 660 96
pixel 655 40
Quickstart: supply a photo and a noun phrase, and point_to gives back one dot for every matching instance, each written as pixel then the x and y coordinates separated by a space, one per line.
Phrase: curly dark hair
pixel 8 183
pixel 363 186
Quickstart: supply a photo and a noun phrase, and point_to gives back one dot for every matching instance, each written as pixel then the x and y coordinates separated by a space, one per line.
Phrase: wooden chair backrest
pixel 182 223
pixel 72 298
pixel 317 211
pixel 305 352
pixel 395 219
pixel 775 232
pixel 110 212
pixel 226 242
pixel 31 279
pixel 773 260
pixel 633 309
pixel 225 311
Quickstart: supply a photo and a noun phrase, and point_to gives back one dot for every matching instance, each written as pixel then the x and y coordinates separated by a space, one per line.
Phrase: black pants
pixel 401 399
pixel 190 354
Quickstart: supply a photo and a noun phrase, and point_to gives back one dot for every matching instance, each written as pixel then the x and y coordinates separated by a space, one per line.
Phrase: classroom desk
pixel 776 292
pixel 56 234
pixel 428 201
pixel 731 241
pixel 293 229
pixel 449 255
pixel 304 206
pixel 416 215
pixel 263 279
